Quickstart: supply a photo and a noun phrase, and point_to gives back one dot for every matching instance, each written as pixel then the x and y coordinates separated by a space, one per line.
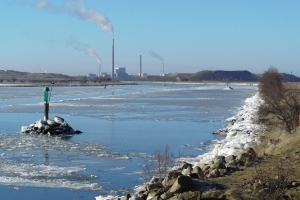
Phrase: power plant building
pixel 91 75
pixel 120 72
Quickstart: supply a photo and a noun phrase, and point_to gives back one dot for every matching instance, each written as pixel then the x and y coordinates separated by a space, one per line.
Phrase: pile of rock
pixel 221 165
pixel 56 127
pixel 174 186
pixel 190 182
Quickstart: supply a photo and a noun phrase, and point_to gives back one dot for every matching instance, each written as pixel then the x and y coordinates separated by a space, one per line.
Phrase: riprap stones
pixel 52 127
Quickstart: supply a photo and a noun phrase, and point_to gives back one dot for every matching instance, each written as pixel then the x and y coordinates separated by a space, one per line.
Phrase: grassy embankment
pixel 278 159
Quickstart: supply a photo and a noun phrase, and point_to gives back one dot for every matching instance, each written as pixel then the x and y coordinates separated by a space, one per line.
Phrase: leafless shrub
pixel 281 103
pixel 272 183
pixel 162 161
pixel 180 161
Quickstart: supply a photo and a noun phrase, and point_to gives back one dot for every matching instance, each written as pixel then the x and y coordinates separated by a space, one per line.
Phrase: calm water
pixel 122 127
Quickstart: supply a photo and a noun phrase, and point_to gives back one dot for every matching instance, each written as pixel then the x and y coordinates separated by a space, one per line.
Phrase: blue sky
pixel 189 35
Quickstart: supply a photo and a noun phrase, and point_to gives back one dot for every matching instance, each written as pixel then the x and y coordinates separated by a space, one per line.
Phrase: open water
pixel 122 125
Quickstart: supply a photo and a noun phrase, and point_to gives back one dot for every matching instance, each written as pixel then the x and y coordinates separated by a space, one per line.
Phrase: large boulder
pixel 166 195
pixel 154 186
pixel 170 179
pixel 247 158
pixel 218 163
pixel 155 193
pixel 186 168
pixel 197 173
pixel 135 198
pixel 182 184
pixel 230 158
pixel 213 173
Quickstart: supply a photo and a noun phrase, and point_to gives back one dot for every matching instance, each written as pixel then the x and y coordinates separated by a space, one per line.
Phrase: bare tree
pixel 280 101
pixel 159 166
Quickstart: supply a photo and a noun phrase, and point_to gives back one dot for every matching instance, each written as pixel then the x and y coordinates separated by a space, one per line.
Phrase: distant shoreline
pixel 64 84
pixel 76 84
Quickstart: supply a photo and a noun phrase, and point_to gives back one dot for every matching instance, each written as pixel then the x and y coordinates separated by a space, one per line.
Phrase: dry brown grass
pixel 276 148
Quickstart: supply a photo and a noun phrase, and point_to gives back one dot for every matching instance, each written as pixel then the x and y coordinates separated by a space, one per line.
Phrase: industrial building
pixel 120 72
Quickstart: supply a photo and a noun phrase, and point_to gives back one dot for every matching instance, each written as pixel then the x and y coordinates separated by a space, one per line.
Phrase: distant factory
pixel 120 72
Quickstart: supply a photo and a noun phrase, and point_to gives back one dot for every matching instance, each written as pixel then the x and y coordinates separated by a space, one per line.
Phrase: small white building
pixel 91 75
pixel 104 74
pixel 143 75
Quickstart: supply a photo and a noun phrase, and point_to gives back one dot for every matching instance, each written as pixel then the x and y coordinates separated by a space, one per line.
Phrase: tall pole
pixel 140 66
pixel 113 61
pixel 46 104
pixel 46 111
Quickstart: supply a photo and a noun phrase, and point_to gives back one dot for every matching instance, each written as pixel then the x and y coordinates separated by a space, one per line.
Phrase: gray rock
pixel 170 178
pixel 142 194
pixel 213 173
pixel 222 172
pixel 182 184
pixel 58 120
pixel 135 198
pixel 50 122
pixel 247 158
pixel 230 158
pixel 155 193
pixel 201 165
pixel 206 167
pixel 125 197
pixel 154 186
pixel 232 167
pixel 218 163
pixel 198 171
pixel 186 166
pixel 166 195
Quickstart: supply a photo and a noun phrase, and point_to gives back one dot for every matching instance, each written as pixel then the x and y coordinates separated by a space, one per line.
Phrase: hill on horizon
pixel 225 76
pixel 11 75
pixel 205 75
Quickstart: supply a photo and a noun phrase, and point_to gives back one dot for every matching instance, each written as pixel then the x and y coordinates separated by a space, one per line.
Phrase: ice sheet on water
pixel 22 164
pixel 18 141
pixel 41 175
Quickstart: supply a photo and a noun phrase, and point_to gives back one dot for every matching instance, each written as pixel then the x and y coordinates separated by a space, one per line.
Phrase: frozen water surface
pixel 122 127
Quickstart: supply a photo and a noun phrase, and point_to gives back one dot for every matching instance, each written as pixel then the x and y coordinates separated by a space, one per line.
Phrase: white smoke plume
pixel 83 47
pixel 156 55
pixel 75 8
pixel 90 51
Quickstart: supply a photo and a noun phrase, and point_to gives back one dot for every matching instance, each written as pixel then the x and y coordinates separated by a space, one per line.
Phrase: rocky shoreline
pixel 241 133
pixel 193 180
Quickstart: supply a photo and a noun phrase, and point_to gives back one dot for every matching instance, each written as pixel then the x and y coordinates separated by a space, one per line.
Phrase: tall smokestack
pixel 99 70
pixel 163 70
pixel 140 66
pixel 113 60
